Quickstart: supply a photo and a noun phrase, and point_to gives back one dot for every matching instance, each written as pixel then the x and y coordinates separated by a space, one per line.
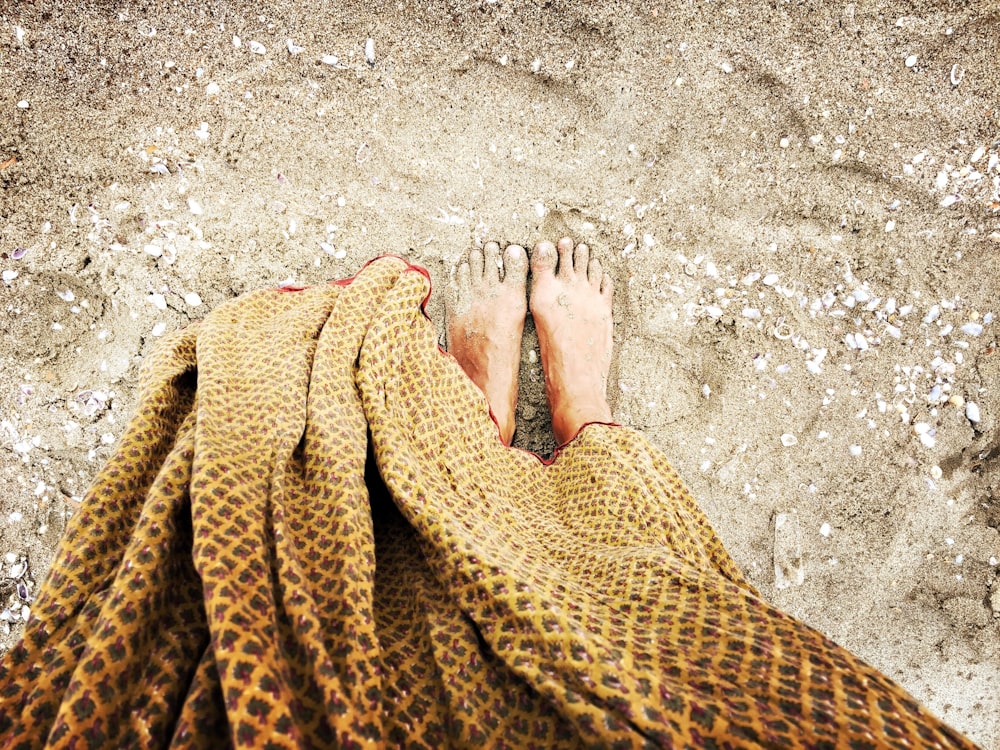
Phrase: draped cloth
pixel 310 535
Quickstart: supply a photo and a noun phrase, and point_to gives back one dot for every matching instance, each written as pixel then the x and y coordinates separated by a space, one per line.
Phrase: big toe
pixel 515 265
pixel 544 259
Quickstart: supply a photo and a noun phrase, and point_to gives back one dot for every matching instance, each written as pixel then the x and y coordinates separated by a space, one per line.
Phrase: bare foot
pixel 486 312
pixel 571 304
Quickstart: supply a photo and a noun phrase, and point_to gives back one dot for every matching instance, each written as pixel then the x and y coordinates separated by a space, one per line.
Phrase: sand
pixel 799 204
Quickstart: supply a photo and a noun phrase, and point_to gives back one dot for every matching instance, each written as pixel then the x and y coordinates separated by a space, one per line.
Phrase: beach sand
pixel 799 202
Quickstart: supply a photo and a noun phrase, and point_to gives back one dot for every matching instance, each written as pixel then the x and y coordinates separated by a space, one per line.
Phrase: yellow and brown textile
pixel 310 536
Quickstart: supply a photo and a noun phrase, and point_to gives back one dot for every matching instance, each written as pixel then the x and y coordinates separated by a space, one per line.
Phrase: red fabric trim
pixel 423 309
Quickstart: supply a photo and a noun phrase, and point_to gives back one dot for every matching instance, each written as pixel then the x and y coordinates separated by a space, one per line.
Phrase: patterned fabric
pixel 310 535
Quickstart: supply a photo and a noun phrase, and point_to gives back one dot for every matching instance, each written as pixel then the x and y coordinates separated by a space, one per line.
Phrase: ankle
pixel 568 421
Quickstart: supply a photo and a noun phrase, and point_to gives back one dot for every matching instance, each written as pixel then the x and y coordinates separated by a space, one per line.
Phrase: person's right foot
pixel 570 302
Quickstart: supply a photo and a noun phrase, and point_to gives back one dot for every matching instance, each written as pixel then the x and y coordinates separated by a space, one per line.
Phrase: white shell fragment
pixel 23 104
pixel 195 207
pixel 972 329
pixel 972 411
pixel 825 529
pixel 911 61
pixel 329 59
pixel 788 440
pixel 370 51
pixel 159 329
pixel 158 301
pixel 950 200
pixel 192 299
pixel 256 47
pixel 957 74
pixel 293 48
pixel 212 89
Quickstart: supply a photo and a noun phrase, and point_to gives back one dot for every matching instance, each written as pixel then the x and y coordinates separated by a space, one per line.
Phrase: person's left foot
pixel 486 311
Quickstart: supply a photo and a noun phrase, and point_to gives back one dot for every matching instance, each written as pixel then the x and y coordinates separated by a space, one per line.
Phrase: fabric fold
pixel 310 535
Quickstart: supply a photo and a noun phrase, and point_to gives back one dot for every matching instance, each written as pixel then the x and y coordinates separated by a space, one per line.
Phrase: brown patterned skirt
pixel 309 535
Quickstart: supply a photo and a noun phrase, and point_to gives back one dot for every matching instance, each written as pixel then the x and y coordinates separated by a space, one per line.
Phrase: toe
pixel 595 274
pixel 460 292
pixel 581 257
pixel 607 286
pixel 565 248
pixel 462 280
pixel 491 262
pixel 543 259
pixel 475 264
pixel 515 265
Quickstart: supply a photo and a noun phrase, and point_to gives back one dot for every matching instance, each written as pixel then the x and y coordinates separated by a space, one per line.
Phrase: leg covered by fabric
pixel 310 535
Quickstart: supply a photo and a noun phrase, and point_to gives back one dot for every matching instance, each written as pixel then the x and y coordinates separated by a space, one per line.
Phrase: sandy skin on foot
pixel 570 302
pixel 486 312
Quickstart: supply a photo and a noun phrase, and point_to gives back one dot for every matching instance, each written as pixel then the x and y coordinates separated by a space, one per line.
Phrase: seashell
pixel 950 200
pixel 159 169
pixel 8 276
pixel 22 593
pixel 158 301
pixel 192 299
pixel 370 51
pixel 978 154
pixel 788 440
pixel 212 89
pixel 19 252
pixel 890 225
pixel 911 61
pixel 256 47
pixel 972 329
pixel 972 411
pixel 293 48
pixel 957 74
pixel 18 569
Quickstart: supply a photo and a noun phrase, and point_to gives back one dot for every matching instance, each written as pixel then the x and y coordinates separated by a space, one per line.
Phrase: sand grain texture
pixel 766 183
